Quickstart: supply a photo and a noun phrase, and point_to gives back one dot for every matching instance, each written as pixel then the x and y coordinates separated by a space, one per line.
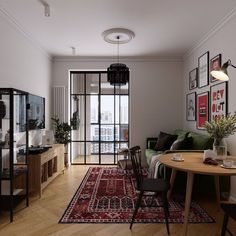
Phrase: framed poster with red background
pixel 218 100
pixel 202 109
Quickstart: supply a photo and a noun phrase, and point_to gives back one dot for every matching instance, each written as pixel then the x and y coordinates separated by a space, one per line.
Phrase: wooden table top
pixel 193 162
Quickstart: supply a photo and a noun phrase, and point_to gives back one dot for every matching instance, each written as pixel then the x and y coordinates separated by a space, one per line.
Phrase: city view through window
pixel 100 114
pixel 109 117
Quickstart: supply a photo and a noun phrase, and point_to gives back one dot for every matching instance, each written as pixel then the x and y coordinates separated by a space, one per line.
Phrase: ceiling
pixel 161 27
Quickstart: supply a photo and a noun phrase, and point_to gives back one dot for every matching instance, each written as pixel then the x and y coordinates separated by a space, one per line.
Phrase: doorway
pixel 99 115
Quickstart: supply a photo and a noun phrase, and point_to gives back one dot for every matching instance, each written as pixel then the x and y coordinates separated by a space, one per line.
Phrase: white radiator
pixel 59 102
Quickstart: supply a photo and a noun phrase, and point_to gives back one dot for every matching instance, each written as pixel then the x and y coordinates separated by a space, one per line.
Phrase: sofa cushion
pixel 181 133
pixel 165 141
pixel 201 141
pixel 182 144
pixel 149 153
pixel 185 143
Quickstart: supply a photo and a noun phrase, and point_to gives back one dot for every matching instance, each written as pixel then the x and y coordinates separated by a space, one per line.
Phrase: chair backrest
pixel 135 155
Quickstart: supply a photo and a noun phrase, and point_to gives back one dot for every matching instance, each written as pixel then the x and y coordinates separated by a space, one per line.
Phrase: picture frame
pixel 219 100
pixel 193 78
pixel 191 106
pixel 202 109
pixel 215 64
pixel 203 70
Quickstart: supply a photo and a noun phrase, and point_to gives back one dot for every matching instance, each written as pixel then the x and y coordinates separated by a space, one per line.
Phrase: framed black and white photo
pixel 218 100
pixel 215 64
pixel 203 70
pixel 193 79
pixel 191 106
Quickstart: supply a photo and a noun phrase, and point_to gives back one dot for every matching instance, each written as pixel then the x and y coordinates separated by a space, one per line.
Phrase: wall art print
pixel 218 100
pixel 202 109
pixel 193 79
pixel 215 64
pixel 191 106
pixel 203 70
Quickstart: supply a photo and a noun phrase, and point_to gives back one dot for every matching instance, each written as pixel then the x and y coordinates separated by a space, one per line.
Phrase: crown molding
pixel 211 33
pixel 114 59
pixel 9 18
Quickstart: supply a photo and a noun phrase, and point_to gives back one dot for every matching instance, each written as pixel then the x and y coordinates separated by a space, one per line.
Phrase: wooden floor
pixel 42 216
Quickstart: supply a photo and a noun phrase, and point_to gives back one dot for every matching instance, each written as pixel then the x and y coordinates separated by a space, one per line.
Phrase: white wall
pixel 156 92
pixel 23 64
pixel 221 41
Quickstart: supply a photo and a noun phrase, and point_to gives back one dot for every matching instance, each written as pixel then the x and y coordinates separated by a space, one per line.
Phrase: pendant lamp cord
pixel 118 44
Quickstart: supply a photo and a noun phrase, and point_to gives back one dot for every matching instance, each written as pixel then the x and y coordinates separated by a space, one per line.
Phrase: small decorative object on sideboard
pixel 62 135
pixel 219 129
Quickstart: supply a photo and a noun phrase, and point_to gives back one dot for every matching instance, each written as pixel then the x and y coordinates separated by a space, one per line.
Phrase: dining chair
pixel 125 164
pixel 144 185
pixel 229 211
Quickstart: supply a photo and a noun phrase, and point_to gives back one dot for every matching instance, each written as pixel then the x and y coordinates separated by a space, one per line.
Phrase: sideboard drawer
pixel 45 157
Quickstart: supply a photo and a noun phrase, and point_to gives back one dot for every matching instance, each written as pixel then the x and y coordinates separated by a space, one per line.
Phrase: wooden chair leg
pixel 138 203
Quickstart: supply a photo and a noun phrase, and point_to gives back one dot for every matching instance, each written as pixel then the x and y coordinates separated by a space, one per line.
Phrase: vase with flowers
pixel 219 129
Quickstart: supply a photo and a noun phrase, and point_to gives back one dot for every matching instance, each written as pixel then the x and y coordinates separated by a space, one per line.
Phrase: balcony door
pixel 99 115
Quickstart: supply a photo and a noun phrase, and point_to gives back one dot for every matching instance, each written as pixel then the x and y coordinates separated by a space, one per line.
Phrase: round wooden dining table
pixel 192 164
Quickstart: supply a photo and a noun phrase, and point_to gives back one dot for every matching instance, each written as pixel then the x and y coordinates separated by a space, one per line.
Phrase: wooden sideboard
pixel 45 167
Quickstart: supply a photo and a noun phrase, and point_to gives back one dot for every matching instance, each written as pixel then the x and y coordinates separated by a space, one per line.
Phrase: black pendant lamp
pixel 118 73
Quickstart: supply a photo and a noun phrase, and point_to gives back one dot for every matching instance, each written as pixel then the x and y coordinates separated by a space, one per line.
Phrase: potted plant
pixel 75 120
pixel 62 135
pixel 219 129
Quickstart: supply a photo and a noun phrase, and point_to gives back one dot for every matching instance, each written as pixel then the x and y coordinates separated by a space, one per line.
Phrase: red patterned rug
pixel 106 195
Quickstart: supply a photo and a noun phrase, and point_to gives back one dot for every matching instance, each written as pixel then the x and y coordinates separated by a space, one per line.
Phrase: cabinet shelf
pixel 15 192
pixel 5 175
pixel 14 136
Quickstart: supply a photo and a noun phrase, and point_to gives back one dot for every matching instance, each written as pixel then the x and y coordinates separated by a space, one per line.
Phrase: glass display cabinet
pixel 13 150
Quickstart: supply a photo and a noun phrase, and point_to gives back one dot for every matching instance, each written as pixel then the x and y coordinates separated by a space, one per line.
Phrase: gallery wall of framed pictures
pixel 207 98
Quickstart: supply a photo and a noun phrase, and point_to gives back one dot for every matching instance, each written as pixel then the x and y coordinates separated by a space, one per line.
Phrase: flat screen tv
pixel 36 112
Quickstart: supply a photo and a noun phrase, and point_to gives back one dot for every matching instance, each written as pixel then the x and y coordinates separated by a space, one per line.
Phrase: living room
pixel 159 80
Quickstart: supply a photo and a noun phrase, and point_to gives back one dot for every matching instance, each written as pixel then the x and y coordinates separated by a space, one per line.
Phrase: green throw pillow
pixel 180 133
pixel 201 141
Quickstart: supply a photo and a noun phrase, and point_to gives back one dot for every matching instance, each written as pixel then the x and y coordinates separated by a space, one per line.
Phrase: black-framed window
pixel 99 114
